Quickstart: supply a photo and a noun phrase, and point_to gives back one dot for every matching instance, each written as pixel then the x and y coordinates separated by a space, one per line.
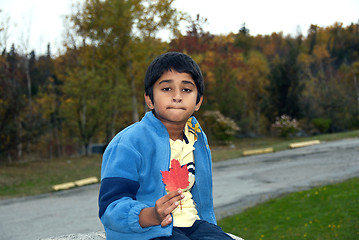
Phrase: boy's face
pixel 174 98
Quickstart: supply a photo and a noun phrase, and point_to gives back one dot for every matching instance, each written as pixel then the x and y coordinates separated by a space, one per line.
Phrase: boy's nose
pixel 177 97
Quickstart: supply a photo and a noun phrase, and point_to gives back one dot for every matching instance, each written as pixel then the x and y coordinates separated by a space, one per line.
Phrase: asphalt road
pixel 238 184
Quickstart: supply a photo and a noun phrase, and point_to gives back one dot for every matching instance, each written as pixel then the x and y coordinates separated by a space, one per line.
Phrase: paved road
pixel 238 184
pixel 259 178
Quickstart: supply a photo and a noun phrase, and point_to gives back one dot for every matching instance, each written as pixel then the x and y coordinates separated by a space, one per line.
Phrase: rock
pixel 99 236
pixel 91 236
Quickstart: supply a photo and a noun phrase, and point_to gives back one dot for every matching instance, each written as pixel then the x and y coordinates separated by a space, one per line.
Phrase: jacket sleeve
pixel 118 208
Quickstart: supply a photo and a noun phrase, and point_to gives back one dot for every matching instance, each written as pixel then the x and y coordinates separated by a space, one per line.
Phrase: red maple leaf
pixel 176 177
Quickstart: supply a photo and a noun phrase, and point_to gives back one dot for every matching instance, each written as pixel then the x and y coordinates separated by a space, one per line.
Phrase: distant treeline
pixel 59 106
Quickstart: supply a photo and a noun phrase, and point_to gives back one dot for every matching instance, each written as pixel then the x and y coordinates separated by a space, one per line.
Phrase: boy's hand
pixel 161 212
pixel 165 205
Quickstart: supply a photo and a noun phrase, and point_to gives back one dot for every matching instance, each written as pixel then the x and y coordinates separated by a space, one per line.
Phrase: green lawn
pixel 36 177
pixel 327 212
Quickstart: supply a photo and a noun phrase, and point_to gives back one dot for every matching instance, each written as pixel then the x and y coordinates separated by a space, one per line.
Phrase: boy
pixel 133 200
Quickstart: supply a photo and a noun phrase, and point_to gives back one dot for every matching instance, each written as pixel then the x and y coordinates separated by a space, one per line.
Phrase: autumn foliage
pixel 52 106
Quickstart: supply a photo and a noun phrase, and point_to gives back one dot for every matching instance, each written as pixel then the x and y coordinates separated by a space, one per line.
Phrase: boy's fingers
pixel 171 207
pixel 171 197
pixel 166 204
pixel 173 203
pixel 173 194
pixel 166 221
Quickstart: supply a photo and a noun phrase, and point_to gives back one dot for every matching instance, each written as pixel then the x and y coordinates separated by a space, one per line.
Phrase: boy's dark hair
pixel 178 62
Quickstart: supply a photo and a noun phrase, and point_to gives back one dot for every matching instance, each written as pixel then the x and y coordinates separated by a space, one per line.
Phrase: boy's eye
pixel 187 90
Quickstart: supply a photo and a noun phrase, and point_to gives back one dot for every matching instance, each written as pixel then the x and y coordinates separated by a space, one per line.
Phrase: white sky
pixel 43 19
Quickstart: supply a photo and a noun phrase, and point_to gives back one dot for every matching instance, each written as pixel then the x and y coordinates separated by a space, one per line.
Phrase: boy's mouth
pixel 176 108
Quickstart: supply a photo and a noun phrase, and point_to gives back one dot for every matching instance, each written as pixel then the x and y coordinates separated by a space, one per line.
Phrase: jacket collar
pixel 161 130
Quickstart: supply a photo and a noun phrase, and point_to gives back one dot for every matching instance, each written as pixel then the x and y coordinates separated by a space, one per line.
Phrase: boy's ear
pixel 198 105
pixel 149 102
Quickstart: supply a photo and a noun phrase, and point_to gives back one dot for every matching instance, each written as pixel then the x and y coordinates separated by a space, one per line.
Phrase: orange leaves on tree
pixel 176 177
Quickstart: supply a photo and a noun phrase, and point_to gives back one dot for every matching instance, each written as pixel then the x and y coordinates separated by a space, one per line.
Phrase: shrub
pixel 322 124
pixel 284 126
pixel 218 127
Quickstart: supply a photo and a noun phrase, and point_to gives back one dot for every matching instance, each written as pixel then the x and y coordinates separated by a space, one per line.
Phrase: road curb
pixel 78 183
pixel 304 144
pixel 257 151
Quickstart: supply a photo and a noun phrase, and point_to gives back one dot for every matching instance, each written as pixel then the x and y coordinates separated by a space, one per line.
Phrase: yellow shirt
pixel 183 152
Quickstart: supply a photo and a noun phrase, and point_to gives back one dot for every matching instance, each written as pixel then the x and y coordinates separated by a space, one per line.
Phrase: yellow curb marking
pixel 86 181
pixel 257 151
pixel 77 183
pixel 63 186
pixel 304 144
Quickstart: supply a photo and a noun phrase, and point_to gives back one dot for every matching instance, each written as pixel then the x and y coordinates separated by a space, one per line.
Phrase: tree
pixel 355 76
pixel 285 87
pixel 312 37
pixel 47 89
pixel 255 78
pixel 196 41
pixel 243 40
pixel 122 35
pixel 13 105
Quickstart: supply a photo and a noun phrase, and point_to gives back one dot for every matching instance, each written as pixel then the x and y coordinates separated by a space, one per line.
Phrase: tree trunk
pixel 134 101
pixel 356 87
pixel 28 79
pixel 135 117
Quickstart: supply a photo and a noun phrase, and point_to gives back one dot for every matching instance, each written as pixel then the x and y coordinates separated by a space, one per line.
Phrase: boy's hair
pixel 173 61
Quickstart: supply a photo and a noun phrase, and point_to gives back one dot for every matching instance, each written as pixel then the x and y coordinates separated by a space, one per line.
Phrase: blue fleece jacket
pixel 131 179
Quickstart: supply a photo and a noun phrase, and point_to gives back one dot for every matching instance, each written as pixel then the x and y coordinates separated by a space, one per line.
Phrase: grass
pixel 36 177
pixel 327 212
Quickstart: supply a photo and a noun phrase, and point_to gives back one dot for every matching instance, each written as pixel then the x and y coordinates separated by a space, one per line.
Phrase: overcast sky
pixel 43 19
